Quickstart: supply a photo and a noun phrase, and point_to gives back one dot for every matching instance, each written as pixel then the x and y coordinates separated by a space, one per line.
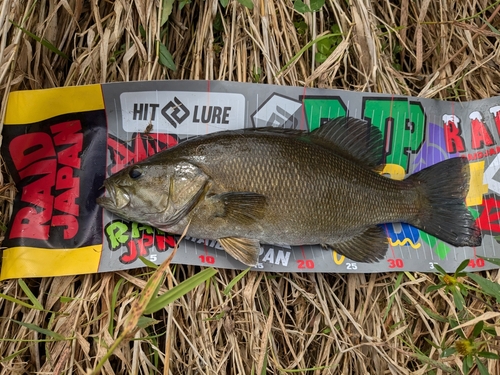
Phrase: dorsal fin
pixel 354 139
pixel 276 130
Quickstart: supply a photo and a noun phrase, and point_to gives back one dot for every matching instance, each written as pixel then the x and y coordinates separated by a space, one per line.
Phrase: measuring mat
pixel 60 144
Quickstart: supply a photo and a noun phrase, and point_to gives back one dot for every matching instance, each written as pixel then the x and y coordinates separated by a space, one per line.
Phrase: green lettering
pixel 320 109
pixel 138 228
pixel 116 234
pixel 402 123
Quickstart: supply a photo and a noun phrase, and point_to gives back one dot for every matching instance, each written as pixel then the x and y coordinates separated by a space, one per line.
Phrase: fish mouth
pixel 115 198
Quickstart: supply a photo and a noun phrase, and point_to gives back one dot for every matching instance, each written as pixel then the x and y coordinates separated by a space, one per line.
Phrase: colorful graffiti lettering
pixel 489 217
pixel 48 163
pixel 138 239
pixel 320 109
pixel 141 146
pixel 402 124
pixel 481 134
pixel 402 234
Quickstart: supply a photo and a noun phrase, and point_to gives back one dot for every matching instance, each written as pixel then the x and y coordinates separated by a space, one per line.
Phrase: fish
pixel 271 185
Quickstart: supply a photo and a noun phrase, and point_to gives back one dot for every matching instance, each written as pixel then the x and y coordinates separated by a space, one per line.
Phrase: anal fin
pixel 367 247
pixel 243 249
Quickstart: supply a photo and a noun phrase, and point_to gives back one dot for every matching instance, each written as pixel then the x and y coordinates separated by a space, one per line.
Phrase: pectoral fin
pixel 367 247
pixel 243 249
pixel 241 207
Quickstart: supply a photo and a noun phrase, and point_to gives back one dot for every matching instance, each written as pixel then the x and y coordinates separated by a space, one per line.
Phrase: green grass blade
pixel 264 365
pixel 495 261
pixel 393 295
pixel 492 28
pixel 19 302
pixel 158 303
pixel 304 49
pixel 145 321
pixel 43 331
pixel 148 263
pixel 44 42
pixel 233 282
pixel 114 298
pixel 487 287
pixel 439 364
pixel 13 355
pixel 30 295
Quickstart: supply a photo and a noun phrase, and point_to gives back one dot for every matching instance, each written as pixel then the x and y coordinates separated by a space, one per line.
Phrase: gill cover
pixel 188 184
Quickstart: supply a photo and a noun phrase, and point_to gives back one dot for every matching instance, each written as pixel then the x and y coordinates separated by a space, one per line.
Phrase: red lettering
pixel 65 179
pixel 29 223
pixel 38 193
pixel 70 156
pixel 65 133
pixel 47 167
pixel 306 263
pixel 66 201
pixel 453 137
pixel 481 136
pixel 148 241
pixel 131 255
pixel 164 242
pixel 29 148
pixel 207 259
pixel 68 133
pixel 67 221
pixel 495 111
pixel 395 263
pixel 489 219
pixel 136 248
pixel 34 156
pixel 142 147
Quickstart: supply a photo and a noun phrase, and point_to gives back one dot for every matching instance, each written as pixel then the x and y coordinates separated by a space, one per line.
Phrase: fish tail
pixel 441 192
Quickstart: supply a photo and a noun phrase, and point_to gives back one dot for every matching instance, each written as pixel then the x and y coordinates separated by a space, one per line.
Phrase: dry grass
pixel 270 323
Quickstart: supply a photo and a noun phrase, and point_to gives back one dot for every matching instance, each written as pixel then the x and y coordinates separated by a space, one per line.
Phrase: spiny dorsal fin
pixel 276 130
pixel 352 138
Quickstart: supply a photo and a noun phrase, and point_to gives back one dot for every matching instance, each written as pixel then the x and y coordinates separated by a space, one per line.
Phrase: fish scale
pixel 320 203
pixel 281 186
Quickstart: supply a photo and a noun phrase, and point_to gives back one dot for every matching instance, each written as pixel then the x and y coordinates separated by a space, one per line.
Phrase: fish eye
pixel 135 173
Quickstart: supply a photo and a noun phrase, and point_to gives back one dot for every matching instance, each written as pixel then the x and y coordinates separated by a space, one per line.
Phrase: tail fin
pixel 443 188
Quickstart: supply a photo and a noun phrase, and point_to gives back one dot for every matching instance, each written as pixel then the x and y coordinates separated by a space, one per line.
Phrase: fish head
pixel 156 194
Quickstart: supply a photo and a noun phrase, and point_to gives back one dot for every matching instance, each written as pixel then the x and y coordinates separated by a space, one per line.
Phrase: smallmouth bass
pixel 283 186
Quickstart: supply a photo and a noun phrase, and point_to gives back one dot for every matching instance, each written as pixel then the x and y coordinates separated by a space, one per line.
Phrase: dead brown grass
pixel 271 323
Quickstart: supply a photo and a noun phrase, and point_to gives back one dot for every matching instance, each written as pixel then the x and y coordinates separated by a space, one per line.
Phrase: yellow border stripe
pixel 26 107
pixel 35 262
